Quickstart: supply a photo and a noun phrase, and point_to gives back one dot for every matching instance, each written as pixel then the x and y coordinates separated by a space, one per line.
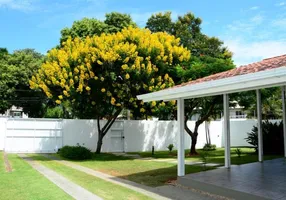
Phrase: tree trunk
pixel 99 144
pixel 193 146
pixel 193 135
pixel 102 132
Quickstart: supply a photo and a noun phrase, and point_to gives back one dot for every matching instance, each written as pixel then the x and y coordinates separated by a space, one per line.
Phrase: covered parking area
pixel 267 73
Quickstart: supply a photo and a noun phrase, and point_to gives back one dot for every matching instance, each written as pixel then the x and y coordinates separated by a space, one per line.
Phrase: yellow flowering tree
pixel 101 75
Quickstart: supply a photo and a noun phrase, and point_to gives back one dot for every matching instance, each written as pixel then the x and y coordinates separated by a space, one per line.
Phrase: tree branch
pixel 209 112
pixel 187 128
pixel 110 122
pixel 98 125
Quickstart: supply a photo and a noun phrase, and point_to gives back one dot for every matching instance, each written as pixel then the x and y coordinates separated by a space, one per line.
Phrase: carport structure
pixel 267 73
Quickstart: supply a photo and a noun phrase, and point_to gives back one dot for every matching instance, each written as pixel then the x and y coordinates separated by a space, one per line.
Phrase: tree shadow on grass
pixel 161 176
pixel 153 174
pixel 103 157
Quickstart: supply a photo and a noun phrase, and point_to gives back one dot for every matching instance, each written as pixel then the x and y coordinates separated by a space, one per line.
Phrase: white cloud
pixel 254 8
pixel 279 23
pixel 280 4
pixel 257 19
pixel 246 26
pixel 247 52
pixel 251 40
pixel 22 5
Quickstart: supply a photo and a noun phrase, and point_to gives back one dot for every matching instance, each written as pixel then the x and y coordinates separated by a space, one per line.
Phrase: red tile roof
pixel 266 64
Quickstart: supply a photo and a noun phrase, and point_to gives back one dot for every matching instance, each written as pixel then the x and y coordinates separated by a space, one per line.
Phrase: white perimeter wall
pixel 142 135
pixel 2 132
pixel 84 132
pixel 139 135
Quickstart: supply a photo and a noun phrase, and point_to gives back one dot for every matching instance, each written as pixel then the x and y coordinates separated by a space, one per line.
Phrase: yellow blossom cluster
pixel 110 69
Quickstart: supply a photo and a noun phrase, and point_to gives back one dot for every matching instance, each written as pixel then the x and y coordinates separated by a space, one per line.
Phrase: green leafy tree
pixel 16 70
pixel 209 56
pixel 116 21
pixel 113 23
pixel 161 22
pixel 101 75
pixel 7 83
pixel 270 99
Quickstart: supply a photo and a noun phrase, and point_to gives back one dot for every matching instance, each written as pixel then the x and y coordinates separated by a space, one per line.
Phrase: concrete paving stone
pixel 180 193
pixel 74 190
pixel 146 190
pixel 265 180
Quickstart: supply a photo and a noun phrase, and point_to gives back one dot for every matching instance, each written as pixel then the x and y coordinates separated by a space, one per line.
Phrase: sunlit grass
pixel 25 183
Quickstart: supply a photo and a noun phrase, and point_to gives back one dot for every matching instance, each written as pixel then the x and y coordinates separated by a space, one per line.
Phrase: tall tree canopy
pixel 209 56
pixel 101 75
pixel 113 23
pixel 270 99
pixel 15 71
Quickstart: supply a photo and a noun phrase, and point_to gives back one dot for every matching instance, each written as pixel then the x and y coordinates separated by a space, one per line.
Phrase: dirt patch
pixel 171 181
pixel 6 162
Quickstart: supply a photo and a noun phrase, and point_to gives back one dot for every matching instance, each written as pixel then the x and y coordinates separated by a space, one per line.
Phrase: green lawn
pixel 149 173
pixel 154 173
pixel 26 183
pixel 248 155
pixel 102 188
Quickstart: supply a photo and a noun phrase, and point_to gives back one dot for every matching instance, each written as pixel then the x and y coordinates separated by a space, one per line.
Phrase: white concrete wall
pixel 84 133
pixel 2 132
pixel 33 135
pixel 142 135
pixel 238 131
pixel 139 135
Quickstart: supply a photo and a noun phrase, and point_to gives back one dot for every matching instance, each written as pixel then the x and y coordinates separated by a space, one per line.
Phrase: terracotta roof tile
pixel 266 64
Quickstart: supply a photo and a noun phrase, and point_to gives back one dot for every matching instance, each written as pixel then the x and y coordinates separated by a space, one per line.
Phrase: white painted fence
pixel 46 135
pixel 33 135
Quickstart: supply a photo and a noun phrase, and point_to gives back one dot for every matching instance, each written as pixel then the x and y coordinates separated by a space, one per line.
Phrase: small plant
pixel 238 152
pixel 75 152
pixel 209 147
pixel 170 147
pixel 204 156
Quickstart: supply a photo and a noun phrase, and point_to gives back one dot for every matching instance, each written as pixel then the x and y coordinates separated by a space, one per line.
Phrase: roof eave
pixel 252 81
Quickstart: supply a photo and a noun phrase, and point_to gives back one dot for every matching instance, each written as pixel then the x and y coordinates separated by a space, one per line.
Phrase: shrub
pixel 75 152
pixel 170 147
pixel 209 147
pixel 273 142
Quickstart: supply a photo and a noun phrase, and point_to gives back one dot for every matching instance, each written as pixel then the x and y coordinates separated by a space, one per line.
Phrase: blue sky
pixel 252 29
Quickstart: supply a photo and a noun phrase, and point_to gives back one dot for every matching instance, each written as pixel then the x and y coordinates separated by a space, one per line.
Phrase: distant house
pixel 14 112
pixel 236 112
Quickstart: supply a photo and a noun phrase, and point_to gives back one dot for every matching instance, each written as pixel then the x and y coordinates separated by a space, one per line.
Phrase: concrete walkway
pixel 143 189
pixel 66 185
pixel 161 193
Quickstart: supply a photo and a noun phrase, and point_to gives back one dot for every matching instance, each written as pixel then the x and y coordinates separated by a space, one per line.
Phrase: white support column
pixel 283 88
pixel 181 137
pixel 259 126
pixel 226 130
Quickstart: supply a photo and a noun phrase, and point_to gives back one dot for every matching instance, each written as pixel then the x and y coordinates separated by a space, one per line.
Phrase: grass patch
pixel 154 173
pixel 145 172
pixel 100 187
pixel 25 183
pixel 248 155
